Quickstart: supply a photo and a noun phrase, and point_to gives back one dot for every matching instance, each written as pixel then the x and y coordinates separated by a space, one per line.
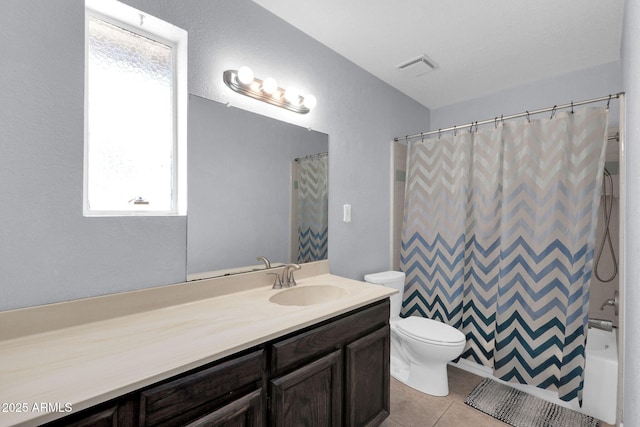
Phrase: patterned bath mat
pixel 520 409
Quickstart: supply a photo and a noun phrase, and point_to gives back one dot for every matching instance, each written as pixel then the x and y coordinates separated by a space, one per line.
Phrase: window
pixel 135 113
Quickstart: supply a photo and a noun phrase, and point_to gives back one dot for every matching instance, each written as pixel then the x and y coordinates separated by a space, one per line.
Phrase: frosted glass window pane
pixel 130 120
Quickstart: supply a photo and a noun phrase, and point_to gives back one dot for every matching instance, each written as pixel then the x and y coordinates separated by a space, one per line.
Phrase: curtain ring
pixel 422 135
pixel 502 119
pixel 471 128
pixel 495 122
pixel 571 107
pixel 553 112
pixel 439 134
pixel 528 118
pixel 608 101
pixel 476 126
pixel 454 131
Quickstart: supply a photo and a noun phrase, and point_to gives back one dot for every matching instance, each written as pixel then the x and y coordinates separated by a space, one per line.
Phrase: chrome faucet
pixel 287 275
pixel 267 263
pixel 612 302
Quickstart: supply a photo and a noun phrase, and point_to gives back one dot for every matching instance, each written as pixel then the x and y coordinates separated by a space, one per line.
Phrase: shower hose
pixel 606 238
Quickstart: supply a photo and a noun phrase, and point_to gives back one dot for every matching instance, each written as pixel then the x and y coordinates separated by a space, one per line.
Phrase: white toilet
pixel 420 347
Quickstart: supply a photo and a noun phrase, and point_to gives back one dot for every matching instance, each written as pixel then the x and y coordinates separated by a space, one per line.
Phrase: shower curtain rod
pixel 495 120
pixel 311 156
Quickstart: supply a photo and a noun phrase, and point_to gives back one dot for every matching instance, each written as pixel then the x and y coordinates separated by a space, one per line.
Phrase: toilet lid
pixel 429 330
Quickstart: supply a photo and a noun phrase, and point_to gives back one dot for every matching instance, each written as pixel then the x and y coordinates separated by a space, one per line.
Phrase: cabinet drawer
pixel 117 413
pixel 326 338
pixel 193 395
pixel 245 411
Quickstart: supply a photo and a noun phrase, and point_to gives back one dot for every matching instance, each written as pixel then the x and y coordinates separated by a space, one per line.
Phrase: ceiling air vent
pixel 418 66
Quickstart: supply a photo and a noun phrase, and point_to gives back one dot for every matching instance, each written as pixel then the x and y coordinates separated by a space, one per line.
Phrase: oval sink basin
pixel 308 295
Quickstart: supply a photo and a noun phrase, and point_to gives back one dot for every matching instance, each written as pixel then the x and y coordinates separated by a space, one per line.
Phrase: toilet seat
pixel 430 331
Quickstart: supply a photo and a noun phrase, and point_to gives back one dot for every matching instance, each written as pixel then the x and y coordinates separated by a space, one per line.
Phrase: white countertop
pixel 87 364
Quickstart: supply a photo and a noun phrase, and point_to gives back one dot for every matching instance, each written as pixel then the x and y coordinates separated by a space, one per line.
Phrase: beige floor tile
pixel 390 423
pixel 461 383
pixel 410 407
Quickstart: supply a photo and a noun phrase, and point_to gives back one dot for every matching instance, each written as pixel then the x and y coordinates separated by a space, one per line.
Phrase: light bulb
pixel 292 96
pixel 245 75
pixel 269 85
pixel 310 102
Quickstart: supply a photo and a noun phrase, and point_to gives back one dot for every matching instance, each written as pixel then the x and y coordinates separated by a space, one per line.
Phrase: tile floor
pixel 410 408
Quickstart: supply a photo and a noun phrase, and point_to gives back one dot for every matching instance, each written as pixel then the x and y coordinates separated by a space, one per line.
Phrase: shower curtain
pixel 312 209
pixel 498 240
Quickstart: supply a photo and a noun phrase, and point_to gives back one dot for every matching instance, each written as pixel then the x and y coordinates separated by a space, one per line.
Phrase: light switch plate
pixel 346 213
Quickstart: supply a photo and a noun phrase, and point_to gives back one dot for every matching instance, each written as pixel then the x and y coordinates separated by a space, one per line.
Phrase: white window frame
pixel 139 22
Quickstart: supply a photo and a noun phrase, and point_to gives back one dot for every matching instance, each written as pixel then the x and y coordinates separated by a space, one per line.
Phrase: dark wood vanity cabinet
pixel 335 373
pixel 348 353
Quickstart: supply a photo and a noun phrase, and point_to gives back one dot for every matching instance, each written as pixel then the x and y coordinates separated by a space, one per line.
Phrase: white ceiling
pixel 480 46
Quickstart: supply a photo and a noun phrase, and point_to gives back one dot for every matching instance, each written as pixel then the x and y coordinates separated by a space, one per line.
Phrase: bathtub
pixel 599 394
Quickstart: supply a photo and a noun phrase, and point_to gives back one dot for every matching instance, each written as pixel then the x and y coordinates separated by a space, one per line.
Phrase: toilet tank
pixel 390 279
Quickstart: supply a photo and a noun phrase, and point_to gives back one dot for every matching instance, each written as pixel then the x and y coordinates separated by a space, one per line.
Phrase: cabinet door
pixel 367 377
pixel 243 412
pixel 309 396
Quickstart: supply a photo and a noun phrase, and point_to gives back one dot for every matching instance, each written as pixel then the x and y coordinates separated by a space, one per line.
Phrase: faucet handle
pixel 612 302
pixel 277 283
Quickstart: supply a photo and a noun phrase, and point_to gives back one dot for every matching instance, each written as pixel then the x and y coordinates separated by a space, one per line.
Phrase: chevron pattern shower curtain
pixel 313 209
pixel 498 240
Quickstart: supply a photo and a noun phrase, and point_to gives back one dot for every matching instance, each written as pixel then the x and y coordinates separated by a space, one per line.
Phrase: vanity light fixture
pixel 243 81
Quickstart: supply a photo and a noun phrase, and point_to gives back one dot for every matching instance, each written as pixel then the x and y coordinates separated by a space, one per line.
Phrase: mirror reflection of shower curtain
pixel 312 208
pixel 498 241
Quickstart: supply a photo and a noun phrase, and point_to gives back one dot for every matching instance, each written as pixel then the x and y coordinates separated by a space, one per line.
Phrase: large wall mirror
pixel 257 187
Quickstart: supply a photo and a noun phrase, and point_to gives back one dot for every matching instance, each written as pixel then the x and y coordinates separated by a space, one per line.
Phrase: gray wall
pixel 577 86
pixel 49 252
pixel 631 76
